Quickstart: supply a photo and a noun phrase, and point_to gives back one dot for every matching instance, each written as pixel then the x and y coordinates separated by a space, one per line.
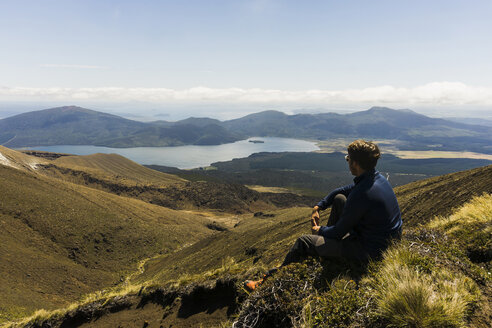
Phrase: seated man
pixel 364 217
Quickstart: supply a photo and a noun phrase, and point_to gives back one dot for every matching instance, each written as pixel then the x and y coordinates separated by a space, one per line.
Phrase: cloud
pixel 431 94
pixel 73 66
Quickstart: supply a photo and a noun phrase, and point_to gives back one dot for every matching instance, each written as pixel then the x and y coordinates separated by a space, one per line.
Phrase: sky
pixel 228 58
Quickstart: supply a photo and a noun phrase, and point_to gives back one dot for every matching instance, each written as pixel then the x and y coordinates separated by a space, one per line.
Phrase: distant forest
pixel 316 173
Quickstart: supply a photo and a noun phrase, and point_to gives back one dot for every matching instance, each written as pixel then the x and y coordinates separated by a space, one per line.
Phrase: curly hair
pixel 365 153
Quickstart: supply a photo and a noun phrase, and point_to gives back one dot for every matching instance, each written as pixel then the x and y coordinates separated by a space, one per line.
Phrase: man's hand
pixel 315 216
pixel 315 229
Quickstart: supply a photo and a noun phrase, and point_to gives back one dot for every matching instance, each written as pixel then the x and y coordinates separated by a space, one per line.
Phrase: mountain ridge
pixel 79 126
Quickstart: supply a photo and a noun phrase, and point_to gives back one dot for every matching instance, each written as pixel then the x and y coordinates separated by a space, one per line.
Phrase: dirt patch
pixel 44 154
pixel 204 305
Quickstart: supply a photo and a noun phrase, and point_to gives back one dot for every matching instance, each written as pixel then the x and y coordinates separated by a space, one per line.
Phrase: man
pixel 364 217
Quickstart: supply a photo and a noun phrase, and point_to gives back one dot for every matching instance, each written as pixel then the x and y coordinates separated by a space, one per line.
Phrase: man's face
pixel 352 165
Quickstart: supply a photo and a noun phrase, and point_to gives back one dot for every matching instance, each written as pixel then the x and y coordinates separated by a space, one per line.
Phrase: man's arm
pixel 352 213
pixel 328 200
pixel 315 216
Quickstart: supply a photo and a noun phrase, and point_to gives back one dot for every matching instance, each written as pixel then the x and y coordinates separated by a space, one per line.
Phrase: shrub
pixel 281 298
pixel 335 307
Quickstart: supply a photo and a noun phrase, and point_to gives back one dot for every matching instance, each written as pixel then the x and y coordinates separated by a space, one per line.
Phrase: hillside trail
pixel 6 142
pixel 229 221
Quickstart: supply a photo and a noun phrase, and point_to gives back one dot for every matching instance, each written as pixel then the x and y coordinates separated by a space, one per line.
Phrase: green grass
pixel 418 283
pixel 60 240
pixel 430 279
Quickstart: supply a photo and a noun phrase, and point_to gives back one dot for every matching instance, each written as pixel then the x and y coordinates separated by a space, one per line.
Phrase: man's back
pixel 380 218
pixel 371 214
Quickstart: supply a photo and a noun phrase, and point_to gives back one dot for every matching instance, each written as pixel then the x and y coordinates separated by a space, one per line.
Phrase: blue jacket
pixel 371 213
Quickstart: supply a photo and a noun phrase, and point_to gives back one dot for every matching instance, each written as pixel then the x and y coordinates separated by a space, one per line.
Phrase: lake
pixel 187 157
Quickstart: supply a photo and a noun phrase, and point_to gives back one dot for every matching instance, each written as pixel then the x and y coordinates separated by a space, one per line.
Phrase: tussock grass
pixel 334 307
pixel 409 297
pixel 472 220
pixel 427 280
pixel 477 211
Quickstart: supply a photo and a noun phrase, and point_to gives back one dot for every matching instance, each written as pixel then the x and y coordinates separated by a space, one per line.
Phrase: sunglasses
pixel 347 158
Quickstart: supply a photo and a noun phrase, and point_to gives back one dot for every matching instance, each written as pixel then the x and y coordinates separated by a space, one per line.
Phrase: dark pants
pixel 314 245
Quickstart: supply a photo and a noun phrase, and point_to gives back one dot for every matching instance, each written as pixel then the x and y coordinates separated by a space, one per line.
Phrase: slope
pixel 118 166
pixel 61 240
pixel 199 284
pixel 269 237
pixel 116 174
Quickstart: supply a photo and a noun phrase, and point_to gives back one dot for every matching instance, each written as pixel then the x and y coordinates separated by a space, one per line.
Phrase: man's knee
pixel 306 245
pixel 306 240
pixel 340 199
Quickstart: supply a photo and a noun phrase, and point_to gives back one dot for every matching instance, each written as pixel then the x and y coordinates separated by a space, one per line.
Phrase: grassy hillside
pixel 61 240
pixel 268 237
pixel 116 174
pixel 116 166
pixel 438 276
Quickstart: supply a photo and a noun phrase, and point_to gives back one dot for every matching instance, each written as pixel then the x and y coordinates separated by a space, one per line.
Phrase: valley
pixel 96 232
pixel 314 173
pixel 76 227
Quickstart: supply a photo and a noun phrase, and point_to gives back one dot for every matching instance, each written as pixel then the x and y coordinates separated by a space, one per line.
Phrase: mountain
pixel 78 126
pixel 414 131
pixel 199 121
pixel 471 120
pixel 64 125
pixel 73 125
pixel 264 124
pixel 437 276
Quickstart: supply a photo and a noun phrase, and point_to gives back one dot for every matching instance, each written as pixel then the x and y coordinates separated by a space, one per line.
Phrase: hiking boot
pixel 251 285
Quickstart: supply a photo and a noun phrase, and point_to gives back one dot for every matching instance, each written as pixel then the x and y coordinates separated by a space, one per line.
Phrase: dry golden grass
pixel 390 146
pixel 118 168
pixel 18 160
pixel 407 297
pixel 477 212
pixel 276 190
pixel 418 154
